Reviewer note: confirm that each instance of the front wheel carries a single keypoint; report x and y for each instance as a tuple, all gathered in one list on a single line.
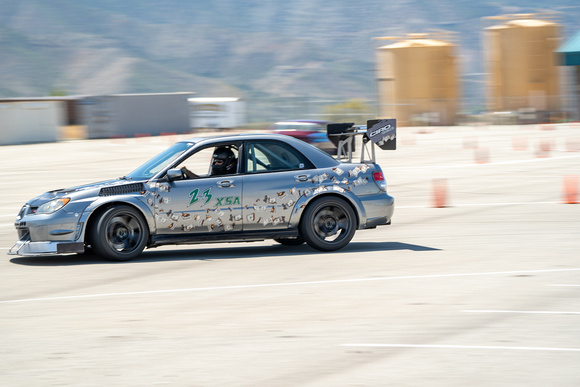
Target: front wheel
[(328, 224), (119, 234)]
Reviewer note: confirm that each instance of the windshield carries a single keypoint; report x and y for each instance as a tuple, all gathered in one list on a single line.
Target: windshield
[(159, 162)]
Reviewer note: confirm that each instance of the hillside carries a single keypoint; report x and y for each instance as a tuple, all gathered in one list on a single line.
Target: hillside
[(246, 48)]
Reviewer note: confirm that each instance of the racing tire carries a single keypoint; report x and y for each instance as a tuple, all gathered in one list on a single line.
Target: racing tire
[(328, 224), (119, 234), (290, 241)]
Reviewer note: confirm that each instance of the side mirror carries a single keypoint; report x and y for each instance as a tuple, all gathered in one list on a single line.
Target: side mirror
[(174, 174)]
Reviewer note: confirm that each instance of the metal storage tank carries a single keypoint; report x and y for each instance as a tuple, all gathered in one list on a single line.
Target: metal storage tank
[(417, 81), (521, 67)]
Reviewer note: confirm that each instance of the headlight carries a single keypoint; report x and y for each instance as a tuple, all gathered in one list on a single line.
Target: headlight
[(52, 206)]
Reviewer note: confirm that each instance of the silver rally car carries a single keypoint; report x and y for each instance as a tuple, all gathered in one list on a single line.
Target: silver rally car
[(223, 189)]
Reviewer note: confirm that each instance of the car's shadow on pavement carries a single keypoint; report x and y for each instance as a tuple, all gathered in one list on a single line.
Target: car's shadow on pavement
[(217, 253)]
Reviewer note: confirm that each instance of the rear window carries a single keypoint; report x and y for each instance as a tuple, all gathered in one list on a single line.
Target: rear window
[(274, 156)]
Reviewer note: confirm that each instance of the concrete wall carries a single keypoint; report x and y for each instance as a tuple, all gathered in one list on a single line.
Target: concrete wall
[(131, 114)]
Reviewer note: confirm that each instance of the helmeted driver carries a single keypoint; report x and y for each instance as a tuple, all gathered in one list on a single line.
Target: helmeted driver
[(223, 161)]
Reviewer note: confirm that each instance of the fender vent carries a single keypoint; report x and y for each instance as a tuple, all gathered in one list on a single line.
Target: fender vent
[(121, 189)]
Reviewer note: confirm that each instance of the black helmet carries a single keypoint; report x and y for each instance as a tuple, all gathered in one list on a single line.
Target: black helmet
[(223, 161)]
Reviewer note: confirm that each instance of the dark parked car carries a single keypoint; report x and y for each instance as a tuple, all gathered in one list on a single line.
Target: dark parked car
[(312, 132)]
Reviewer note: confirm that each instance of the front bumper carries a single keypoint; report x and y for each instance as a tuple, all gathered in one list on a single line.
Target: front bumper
[(29, 248), (47, 234)]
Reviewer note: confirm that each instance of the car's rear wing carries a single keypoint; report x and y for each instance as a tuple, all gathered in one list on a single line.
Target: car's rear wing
[(383, 133)]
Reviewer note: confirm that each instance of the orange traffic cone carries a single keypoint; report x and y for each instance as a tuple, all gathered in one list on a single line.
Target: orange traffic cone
[(143, 137), (520, 143), (439, 193), (470, 142), (481, 155), (571, 189), (544, 148), (573, 145)]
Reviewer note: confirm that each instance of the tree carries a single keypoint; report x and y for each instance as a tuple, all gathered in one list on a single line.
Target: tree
[(352, 110)]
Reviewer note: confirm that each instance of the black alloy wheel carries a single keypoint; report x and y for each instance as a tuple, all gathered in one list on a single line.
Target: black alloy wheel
[(120, 233), (328, 224)]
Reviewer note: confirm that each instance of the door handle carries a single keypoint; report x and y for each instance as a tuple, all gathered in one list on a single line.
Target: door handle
[(226, 184), (301, 177)]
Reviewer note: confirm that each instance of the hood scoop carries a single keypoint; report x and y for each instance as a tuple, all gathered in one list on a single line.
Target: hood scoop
[(122, 189)]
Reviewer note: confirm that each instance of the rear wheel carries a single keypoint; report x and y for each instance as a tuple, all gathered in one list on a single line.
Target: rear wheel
[(119, 234), (328, 224)]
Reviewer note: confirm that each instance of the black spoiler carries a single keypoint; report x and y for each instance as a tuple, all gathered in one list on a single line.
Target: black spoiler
[(382, 133)]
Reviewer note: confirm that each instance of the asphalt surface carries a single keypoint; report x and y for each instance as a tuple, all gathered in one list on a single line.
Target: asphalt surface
[(482, 291)]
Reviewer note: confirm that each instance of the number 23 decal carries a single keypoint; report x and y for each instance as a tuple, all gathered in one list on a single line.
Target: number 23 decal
[(194, 195)]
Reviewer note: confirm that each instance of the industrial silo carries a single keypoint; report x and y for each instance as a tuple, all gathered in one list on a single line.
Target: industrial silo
[(521, 67), (417, 81)]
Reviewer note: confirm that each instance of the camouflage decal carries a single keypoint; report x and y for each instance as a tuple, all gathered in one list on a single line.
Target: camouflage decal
[(338, 171), (272, 208), (360, 181)]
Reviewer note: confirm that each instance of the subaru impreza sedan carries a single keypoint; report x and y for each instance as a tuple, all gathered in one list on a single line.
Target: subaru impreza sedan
[(237, 188)]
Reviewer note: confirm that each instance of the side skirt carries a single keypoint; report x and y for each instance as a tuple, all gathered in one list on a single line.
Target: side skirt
[(242, 236)]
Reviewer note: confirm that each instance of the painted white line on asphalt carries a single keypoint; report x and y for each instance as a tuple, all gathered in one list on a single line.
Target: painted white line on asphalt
[(537, 160), (502, 204), (519, 311), (562, 285), (486, 204), (462, 347), (287, 284)]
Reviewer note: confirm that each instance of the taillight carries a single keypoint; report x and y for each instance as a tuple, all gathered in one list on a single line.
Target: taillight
[(380, 180)]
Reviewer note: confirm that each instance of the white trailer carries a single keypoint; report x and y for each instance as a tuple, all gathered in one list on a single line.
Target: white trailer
[(30, 122), (217, 113)]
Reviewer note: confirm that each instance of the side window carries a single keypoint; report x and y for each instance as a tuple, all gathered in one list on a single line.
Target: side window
[(272, 156), (256, 161), (211, 161), (199, 163)]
